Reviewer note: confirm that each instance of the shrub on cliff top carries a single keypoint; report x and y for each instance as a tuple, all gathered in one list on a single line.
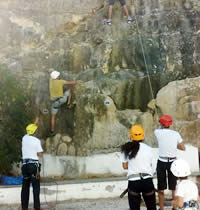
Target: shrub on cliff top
[(14, 118)]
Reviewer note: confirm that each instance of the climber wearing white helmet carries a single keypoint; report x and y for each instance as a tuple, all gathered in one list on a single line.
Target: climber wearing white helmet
[(58, 96), (186, 196)]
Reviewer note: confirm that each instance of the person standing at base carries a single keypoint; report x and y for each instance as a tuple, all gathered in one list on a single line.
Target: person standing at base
[(58, 96), (187, 195), (168, 143), (137, 157), (123, 4), (31, 151)]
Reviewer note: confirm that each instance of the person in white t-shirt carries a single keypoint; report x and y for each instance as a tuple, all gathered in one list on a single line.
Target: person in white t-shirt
[(137, 157), (187, 195), (31, 151), (168, 143)]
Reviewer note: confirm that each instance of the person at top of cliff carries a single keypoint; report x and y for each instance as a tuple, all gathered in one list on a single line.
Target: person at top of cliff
[(58, 96), (123, 4), (168, 143), (137, 157), (187, 195)]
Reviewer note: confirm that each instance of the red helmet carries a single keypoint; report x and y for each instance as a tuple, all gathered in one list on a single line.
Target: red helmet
[(166, 120)]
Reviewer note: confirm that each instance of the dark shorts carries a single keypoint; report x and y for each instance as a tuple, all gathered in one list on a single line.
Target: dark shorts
[(122, 2), (144, 188), (164, 176)]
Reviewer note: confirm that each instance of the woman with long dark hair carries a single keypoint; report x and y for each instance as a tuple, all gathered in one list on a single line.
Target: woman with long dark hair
[(137, 157)]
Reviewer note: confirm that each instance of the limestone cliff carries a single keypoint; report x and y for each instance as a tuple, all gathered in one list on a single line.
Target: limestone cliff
[(122, 66)]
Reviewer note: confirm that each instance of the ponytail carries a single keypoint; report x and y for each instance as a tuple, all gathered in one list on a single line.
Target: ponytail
[(130, 149)]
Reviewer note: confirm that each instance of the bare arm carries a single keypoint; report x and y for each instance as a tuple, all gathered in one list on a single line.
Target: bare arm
[(72, 82), (125, 165), (36, 120), (177, 202), (181, 146), (39, 154)]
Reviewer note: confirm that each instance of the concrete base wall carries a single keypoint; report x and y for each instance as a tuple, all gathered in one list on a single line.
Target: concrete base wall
[(102, 165), (86, 189), (63, 191)]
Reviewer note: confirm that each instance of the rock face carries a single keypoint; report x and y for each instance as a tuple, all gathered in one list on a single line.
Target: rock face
[(181, 99), (122, 67)]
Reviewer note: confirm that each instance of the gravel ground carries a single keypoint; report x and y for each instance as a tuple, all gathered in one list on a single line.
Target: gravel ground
[(101, 204)]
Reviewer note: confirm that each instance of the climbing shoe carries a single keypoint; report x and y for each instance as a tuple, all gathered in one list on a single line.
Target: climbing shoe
[(108, 22), (51, 134), (129, 20), (70, 106)]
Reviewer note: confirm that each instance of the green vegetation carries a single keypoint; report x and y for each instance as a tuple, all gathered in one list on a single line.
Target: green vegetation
[(14, 115)]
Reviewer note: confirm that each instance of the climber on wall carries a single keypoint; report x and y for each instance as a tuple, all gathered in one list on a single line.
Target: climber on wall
[(31, 151), (168, 143), (123, 4), (57, 96), (137, 157)]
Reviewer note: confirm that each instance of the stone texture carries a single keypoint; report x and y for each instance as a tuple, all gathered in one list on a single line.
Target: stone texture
[(62, 149), (56, 139), (71, 150), (122, 67), (181, 99), (66, 139)]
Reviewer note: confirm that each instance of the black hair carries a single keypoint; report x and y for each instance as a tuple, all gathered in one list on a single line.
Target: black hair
[(130, 149), (182, 178)]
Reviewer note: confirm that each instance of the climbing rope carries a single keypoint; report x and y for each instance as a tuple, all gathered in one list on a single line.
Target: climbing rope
[(143, 53), (44, 184)]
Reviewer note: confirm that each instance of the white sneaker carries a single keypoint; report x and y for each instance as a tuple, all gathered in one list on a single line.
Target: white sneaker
[(129, 20), (108, 22)]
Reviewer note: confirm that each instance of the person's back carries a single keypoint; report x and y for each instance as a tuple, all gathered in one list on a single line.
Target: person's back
[(31, 150), (58, 96), (56, 88), (188, 190), (168, 140), (137, 158), (187, 195), (168, 143), (30, 147), (141, 163)]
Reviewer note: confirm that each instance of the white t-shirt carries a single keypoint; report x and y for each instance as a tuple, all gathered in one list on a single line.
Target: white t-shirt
[(187, 190), (30, 147), (142, 163), (167, 142)]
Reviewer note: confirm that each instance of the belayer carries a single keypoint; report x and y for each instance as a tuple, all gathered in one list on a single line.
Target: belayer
[(168, 143), (31, 151), (137, 157)]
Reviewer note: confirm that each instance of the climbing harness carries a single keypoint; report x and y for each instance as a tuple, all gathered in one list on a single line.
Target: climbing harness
[(36, 164), (169, 159), (140, 176)]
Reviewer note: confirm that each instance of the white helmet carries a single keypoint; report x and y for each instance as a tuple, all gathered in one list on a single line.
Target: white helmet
[(180, 168), (55, 74)]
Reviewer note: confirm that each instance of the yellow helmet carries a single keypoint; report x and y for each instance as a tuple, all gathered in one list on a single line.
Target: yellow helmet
[(31, 128), (137, 133)]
